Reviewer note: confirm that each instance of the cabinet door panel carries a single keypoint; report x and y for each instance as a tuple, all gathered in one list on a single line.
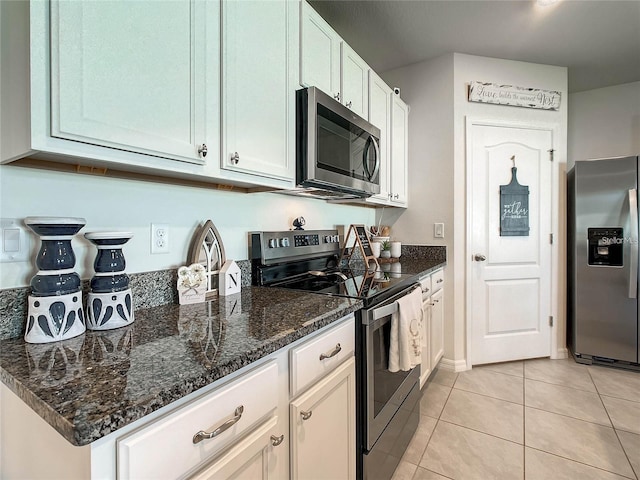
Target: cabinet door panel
[(355, 77), (127, 75), (437, 327), (258, 98), (425, 365), (380, 116), (253, 458), (399, 157), (323, 445), (319, 52)]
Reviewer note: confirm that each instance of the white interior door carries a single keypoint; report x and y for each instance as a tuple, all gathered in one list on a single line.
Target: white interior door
[(510, 276)]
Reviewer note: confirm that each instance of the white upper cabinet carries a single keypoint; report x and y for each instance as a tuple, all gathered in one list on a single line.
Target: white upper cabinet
[(259, 76), (380, 116), (399, 152), (134, 76), (355, 78), (327, 62), (320, 53)]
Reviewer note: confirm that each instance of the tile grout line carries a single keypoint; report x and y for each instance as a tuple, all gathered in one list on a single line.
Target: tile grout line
[(615, 431), (437, 422), (480, 431), (578, 462), (573, 418)]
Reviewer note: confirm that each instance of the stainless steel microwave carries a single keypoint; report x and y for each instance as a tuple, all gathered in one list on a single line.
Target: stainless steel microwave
[(337, 151)]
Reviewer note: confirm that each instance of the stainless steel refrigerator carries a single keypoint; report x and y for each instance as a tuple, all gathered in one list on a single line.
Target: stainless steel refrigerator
[(602, 257)]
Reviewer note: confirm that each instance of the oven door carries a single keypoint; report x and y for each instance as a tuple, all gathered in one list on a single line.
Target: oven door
[(385, 391)]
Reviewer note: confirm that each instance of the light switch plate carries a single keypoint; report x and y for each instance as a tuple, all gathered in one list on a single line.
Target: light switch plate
[(438, 230), (14, 241)]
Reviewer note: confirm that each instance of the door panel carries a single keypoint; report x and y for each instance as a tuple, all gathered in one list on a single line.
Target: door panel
[(510, 289)]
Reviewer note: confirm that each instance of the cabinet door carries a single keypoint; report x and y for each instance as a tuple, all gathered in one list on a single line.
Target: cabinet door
[(380, 116), (425, 365), (132, 75), (323, 444), (319, 53), (399, 152), (355, 78), (254, 458), (258, 107), (437, 327)]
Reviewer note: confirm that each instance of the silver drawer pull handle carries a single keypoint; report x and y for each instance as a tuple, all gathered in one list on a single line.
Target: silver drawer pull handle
[(202, 435), (306, 415), (440, 280), (332, 353), (235, 158), (275, 441)]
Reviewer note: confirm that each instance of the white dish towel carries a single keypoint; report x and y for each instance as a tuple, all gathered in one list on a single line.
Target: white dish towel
[(406, 327)]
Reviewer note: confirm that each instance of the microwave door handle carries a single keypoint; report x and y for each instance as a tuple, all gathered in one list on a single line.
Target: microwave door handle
[(376, 147), (633, 240)]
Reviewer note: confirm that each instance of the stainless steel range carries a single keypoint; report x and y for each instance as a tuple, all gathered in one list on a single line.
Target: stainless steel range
[(387, 403)]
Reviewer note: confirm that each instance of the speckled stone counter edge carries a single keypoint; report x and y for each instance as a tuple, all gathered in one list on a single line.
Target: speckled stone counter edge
[(86, 433), (150, 289)]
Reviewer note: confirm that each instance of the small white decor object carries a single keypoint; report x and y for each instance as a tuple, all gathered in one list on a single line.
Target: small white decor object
[(207, 249), (396, 249), (230, 278), (514, 96), (192, 284)]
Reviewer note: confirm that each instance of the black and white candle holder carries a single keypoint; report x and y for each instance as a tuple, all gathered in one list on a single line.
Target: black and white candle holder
[(55, 305), (110, 302)]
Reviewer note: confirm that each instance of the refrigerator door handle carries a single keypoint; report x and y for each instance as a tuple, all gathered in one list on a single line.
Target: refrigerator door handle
[(633, 212)]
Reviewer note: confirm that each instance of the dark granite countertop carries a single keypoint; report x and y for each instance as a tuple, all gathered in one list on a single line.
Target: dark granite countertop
[(92, 385), (413, 266)]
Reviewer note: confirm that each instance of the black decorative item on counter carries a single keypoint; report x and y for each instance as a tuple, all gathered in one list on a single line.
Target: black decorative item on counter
[(110, 302), (55, 304)]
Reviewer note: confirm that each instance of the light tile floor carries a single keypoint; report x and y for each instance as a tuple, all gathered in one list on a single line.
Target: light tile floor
[(534, 420)]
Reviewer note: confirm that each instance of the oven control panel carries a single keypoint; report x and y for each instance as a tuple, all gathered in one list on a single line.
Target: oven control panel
[(270, 247)]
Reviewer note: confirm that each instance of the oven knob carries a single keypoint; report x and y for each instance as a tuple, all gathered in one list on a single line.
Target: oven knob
[(285, 242), (336, 238), (273, 243), (327, 238)]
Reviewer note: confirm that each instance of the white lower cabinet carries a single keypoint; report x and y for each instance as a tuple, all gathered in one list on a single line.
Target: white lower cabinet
[(254, 458), (200, 430), (437, 327), (433, 323), (238, 428), (323, 444)]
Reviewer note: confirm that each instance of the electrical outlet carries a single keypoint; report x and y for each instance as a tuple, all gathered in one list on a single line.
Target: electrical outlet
[(438, 230), (159, 238)]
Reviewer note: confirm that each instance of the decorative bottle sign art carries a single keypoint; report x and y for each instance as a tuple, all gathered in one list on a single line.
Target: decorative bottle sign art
[(514, 207)]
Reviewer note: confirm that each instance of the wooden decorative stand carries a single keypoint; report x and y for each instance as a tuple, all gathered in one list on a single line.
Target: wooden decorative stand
[(363, 242)]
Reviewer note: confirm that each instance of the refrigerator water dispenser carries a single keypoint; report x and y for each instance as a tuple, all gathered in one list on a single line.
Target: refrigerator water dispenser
[(605, 247)]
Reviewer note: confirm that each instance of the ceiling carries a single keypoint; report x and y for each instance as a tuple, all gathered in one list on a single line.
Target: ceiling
[(598, 40)]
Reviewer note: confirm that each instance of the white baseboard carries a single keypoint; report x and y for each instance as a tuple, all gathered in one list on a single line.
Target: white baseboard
[(560, 353), (452, 365)]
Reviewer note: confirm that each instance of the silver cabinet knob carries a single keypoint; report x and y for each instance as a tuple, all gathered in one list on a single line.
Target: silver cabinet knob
[(306, 415), (479, 257), (349, 104), (396, 196), (275, 441), (235, 158), (337, 96), (202, 150)]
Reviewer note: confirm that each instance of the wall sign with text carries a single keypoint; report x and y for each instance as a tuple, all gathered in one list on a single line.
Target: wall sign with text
[(514, 96), (514, 208)]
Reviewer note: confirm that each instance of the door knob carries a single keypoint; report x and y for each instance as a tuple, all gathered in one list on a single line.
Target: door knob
[(479, 257)]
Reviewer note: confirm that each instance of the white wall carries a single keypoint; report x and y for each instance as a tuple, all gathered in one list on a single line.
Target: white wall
[(130, 205), (604, 123), (428, 89), (437, 93)]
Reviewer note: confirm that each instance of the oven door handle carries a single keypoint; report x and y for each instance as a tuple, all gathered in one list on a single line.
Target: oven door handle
[(385, 311)]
